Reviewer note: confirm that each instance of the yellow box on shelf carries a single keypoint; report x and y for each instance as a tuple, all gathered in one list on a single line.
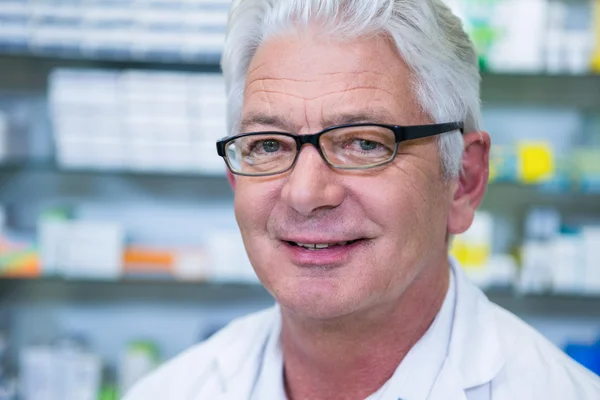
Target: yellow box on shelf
[(473, 248), (470, 255), (596, 57), (535, 162)]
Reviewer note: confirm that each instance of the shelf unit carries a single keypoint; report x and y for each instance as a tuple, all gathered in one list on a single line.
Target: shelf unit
[(14, 290), (179, 313)]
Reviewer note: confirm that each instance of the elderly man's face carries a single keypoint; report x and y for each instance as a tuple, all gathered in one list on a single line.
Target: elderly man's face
[(383, 226)]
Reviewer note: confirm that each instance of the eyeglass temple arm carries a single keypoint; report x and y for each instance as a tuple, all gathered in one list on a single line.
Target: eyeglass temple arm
[(423, 131)]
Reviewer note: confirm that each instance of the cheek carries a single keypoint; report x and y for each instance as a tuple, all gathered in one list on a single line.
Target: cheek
[(252, 204), (413, 216)]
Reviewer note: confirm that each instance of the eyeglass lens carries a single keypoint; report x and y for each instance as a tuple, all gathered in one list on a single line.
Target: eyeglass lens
[(347, 147)]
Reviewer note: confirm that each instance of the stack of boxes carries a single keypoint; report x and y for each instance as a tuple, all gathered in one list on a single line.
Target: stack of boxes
[(138, 120), (533, 36), (173, 30)]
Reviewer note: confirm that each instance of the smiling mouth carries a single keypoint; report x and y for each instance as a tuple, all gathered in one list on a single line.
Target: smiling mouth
[(322, 246)]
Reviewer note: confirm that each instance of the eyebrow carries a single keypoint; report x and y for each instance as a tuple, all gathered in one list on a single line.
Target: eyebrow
[(261, 119), (360, 117), (281, 123)]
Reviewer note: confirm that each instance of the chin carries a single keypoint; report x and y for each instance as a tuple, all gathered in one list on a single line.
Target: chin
[(316, 304)]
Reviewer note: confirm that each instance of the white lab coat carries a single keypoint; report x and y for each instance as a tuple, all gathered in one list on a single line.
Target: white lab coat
[(493, 355)]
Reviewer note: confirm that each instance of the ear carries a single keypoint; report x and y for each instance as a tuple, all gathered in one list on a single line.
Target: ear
[(472, 182), (231, 179)]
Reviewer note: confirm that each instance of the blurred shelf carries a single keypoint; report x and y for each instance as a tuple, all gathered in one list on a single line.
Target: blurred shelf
[(20, 290), (57, 290), (50, 167), (117, 58), (14, 167), (26, 71), (158, 290), (548, 188), (550, 304), (543, 90), (211, 61), (29, 72)]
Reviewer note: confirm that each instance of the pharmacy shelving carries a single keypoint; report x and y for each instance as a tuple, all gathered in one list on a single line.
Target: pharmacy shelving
[(130, 289), (176, 313), (148, 59), (549, 90), (30, 72)]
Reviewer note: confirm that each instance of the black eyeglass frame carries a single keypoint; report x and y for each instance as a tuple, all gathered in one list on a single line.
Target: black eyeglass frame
[(401, 134)]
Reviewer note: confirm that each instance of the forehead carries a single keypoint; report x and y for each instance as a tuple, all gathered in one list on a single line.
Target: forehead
[(325, 79)]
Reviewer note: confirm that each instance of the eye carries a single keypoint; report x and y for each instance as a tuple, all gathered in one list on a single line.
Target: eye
[(367, 145), (270, 145)]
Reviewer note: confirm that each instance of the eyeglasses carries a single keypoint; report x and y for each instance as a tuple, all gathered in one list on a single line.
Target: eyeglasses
[(349, 147)]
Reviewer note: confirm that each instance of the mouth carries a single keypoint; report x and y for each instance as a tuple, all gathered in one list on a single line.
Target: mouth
[(321, 246)]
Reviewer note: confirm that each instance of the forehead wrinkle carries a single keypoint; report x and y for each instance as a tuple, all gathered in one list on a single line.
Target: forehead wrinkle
[(323, 94), (253, 68), (357, 73), (356, 76)]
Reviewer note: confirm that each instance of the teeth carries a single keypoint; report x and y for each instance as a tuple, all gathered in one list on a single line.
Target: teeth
[(319, 246)]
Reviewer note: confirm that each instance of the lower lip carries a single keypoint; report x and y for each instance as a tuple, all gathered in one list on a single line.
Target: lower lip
[(328, 257)]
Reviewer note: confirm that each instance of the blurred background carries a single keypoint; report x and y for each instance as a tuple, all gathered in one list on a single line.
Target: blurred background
[(118, 244)]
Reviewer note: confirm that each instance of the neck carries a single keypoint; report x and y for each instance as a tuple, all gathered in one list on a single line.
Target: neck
[(353, 356)]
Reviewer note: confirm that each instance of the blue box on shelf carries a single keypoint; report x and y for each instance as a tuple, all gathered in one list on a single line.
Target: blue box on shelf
[(586, 355)]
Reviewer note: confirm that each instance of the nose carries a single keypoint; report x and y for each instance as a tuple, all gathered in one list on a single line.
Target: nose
[(312, 185)]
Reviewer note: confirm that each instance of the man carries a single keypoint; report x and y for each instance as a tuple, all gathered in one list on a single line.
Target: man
[(355, 154)]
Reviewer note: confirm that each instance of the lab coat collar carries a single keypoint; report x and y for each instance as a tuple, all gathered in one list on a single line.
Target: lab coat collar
[(475, 348), (474, 357), (239, 363)]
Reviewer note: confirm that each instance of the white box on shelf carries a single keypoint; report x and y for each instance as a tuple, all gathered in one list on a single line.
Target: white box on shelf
[(14, 32), (53, 234), (203, 18), (56, 35), (210, 110), (80, 125), (520, 48), (190, 265), (174, 157), (96, 38), (81, 374), (203, 42), (55, 10), (591, 255), (209, 82), (209, 130), (4, 153), (39, 374), (106, 12), (536, 269), (174, 106), (161, 17), (145, 81), (206, 160), (568, 264), (227, 258), (49, 373), (14, 9), (89, 86), (98, 150), (94, 250)]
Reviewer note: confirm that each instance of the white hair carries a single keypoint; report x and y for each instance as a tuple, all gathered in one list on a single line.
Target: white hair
[(428, 36)]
